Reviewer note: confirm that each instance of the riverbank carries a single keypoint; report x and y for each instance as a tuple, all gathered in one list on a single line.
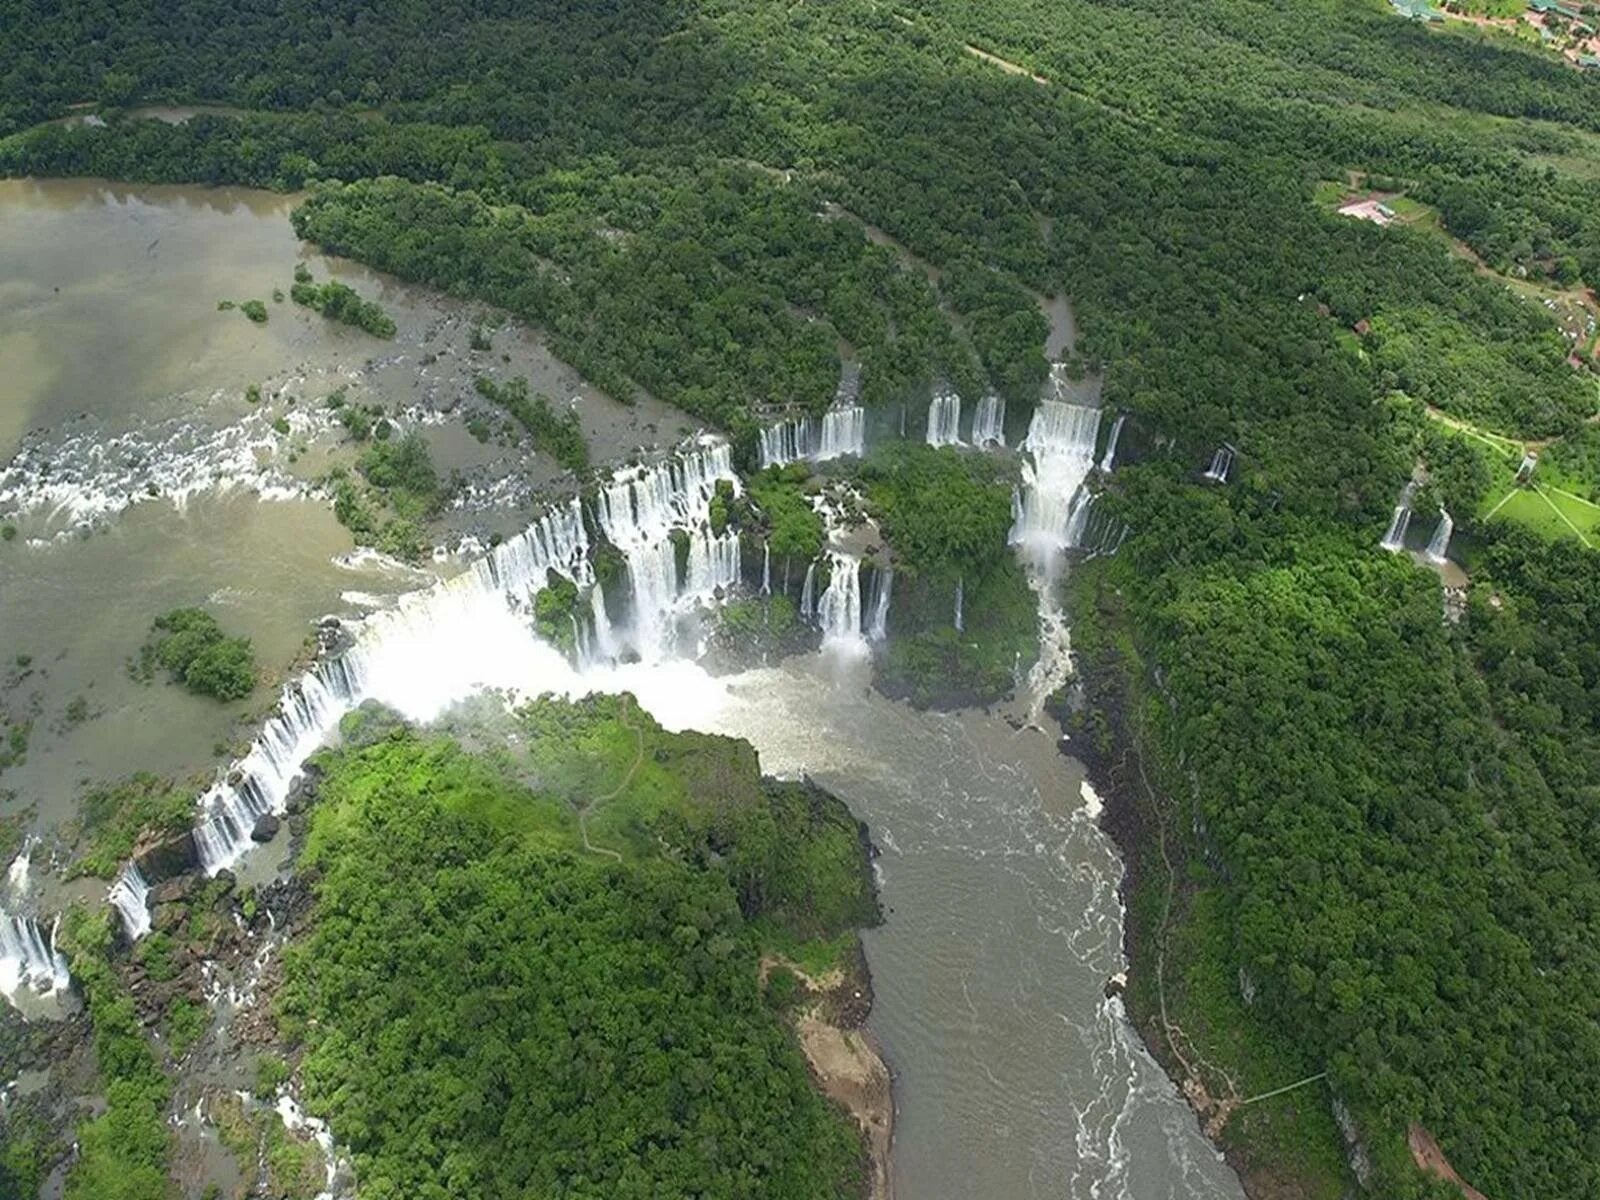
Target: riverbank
[(846, 1062), (1188, 1009)]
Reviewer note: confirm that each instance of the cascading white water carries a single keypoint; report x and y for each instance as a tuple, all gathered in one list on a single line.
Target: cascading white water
[(1048, 513), (844, 431), (841, 431), (434, 645), (944, 420), (128, 896), (1048, 518), (639, 511), (1221, 464), (785, 442), (808, 591), (27, 959), (766, 568), (1110, 458), (961, 586), (604, 645), (1395, 538), (17, 873), (1439, 544), (839, 608), (878, 628), (989, 423)]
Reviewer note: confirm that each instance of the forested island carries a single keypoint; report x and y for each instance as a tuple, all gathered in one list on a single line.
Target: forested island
[(1327, 263)]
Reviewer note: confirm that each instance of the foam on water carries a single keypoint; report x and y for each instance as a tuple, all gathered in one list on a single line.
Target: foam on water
[(84, 477)]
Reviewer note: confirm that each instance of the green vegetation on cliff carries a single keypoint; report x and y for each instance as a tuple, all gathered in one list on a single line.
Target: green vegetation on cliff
[(122, 1152), (1392, 818), (946, 516), (535, 970)]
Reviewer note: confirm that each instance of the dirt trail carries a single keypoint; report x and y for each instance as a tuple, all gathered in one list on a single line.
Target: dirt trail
[(1427, 1155), (638, 757)]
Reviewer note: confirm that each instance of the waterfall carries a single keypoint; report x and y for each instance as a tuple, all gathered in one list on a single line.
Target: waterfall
[(878, 628), (989, 423), (1221, 464), (808, 590), (1048, 518), (1050, 509), (17, 873), (432, 646), (766, 568), (784, 443), (961, 588), (944, 420), (639, 511), (128, 895), (605, 642), (1111, 446), (1439, 544), (27, 958), (839, 609), (713, 563), (841, 431), (844, 431), (1395, 538), (902, 422)]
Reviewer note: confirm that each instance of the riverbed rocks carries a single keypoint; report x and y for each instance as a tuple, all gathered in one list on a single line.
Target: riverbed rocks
[(266, 828), (168, 858)]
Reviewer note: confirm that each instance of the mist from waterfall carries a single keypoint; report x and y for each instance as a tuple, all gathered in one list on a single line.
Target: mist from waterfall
[(1395, 538), (471, 631), (944, 420), (839, 607)]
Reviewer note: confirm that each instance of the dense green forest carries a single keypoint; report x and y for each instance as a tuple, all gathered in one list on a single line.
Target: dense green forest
[(1394, 817), (535, 972)]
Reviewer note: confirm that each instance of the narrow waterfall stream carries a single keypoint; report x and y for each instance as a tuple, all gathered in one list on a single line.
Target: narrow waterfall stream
[(944, 420)]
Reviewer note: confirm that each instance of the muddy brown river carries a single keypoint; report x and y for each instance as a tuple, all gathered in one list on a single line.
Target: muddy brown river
[(139, 478)]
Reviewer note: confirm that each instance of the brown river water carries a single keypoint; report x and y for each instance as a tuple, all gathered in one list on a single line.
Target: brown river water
[(1014, 1076)]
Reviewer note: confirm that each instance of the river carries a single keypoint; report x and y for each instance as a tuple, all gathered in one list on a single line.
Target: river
[(1014, 1076)]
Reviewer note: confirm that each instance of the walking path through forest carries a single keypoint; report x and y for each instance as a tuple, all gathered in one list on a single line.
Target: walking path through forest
[(624, 706)]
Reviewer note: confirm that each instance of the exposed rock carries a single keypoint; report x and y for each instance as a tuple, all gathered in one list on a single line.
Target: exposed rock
[(266, 828), (226, 881), (303, 791), (167, 859), (173, 890)]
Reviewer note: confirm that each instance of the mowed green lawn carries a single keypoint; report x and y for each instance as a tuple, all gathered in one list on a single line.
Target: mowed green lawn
[(1550, 513)]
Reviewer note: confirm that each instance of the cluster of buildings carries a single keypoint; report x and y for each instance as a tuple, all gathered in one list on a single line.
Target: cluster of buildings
[(1567, 28)]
